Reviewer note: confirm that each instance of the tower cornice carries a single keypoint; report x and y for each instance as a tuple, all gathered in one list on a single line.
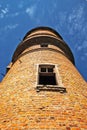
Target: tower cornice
[(41, 35)]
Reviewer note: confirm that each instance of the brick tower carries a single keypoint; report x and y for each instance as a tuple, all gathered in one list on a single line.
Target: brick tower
[(42, 88)]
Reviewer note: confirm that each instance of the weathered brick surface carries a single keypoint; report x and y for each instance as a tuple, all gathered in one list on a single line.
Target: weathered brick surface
[(22, 108)]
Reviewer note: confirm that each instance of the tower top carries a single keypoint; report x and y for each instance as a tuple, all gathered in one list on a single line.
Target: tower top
[(42, 29), (41, 35)]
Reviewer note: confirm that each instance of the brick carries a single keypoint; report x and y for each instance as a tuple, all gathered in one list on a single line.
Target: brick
[(75, 128), (22, 107)]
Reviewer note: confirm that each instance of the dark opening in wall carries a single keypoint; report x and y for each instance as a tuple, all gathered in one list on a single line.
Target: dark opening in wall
[(47, 79), (47, 75), (44, 45)]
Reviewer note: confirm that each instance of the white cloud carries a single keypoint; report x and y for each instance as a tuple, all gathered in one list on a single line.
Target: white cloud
[(20, 5), (76, 14), (14, 14), (77, 24), (62, 17), (82, 46), (84, 56), (3, 12), (1, 15), (10, 27), (31, 11), (7, 28), (76, 19)]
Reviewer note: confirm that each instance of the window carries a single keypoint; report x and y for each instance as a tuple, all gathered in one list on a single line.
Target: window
[(49, 79), (47, 75), (44, 44)]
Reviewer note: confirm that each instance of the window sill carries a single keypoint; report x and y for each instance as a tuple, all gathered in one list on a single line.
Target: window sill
[(54, 88)]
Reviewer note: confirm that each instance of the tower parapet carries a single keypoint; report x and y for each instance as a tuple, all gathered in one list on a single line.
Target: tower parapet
[(43, 36)]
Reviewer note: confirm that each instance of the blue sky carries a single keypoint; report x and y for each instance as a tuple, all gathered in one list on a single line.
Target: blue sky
[(67, 17)]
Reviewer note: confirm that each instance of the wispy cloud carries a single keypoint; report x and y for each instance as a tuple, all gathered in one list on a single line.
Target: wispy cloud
[(76, 14), (7, 29), (30, 11), (14, 14), (82, 46), (3, 12), (84, 56), (76, 26), (20, 5), (76, 20), (10, 27)]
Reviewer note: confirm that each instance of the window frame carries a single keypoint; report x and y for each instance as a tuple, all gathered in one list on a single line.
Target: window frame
[(47, 74), (59, 85)]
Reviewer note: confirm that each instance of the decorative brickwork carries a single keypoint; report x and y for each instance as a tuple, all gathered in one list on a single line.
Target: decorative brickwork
[(23, 108)]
